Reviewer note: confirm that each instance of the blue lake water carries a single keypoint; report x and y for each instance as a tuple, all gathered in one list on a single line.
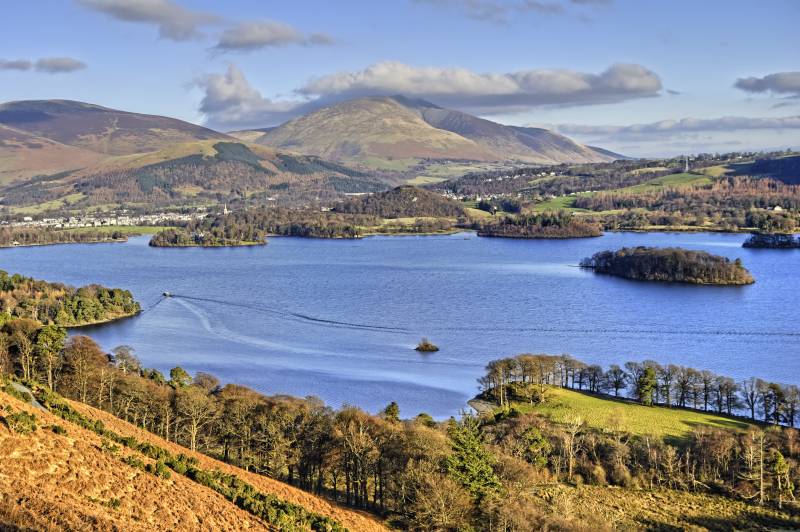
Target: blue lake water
[(338, 319)]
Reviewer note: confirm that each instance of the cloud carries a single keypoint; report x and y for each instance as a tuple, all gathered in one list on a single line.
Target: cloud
[(670, 128), (174, 22), (489, 92), (503, 11), (230, 102), (48, 65), (778, 83), (57, 65), (263, 34), (15, 64)]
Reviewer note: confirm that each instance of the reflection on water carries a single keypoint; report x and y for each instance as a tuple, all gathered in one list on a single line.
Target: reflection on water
[(339, 319)]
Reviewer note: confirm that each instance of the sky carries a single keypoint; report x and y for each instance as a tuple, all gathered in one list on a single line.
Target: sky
[(641, 77)]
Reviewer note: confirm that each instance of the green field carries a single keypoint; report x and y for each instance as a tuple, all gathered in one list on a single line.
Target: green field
[(566, 203), (562, 405), (659, 183)]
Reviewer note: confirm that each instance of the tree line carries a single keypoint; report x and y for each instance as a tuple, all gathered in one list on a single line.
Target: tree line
[(526, 377)]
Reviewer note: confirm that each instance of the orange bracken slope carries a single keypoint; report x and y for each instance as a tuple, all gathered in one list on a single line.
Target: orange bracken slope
[(50, 481)]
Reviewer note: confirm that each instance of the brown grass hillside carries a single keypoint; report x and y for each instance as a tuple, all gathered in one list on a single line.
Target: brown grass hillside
[(50, 481)]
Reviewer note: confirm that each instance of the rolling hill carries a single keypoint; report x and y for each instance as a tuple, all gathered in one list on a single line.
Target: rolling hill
[(371, 131), (73, 478)]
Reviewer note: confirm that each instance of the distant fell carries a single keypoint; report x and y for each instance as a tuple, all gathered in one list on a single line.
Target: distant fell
[(374, 130)]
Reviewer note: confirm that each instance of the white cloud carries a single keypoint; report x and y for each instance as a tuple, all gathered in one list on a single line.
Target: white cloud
[(173, 21), (264, 34), (230, 102), (490, 92)]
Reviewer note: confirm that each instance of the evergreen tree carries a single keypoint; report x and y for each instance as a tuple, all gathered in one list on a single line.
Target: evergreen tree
[(471, 464), (646, 386)]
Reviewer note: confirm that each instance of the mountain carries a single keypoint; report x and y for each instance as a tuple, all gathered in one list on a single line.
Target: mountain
[(373, 130), (381, 128), (60, 474)]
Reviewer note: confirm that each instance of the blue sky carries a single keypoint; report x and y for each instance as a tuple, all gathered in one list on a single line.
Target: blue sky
[(646, 77)]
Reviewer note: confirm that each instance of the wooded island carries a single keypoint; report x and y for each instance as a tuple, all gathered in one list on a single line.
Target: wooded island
[(675, 265)]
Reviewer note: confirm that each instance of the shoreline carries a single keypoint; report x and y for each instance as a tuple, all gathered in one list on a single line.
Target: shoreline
[(237, 245), (103, 322), (33, 245)]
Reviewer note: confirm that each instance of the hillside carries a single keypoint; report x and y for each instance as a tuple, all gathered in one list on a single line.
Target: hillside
[(74, 479), (373, 131), (196, 173)]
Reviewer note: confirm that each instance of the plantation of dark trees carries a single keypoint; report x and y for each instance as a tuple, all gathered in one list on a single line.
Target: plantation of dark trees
[(669, 265)]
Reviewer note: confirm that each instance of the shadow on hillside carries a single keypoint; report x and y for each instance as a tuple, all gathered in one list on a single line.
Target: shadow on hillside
[(748, 520)]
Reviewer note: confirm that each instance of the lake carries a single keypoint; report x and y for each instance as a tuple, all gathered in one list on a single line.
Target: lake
[(339, 319)]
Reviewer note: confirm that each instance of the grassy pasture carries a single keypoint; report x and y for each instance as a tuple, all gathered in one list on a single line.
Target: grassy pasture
[(659, 183), (621, 415), (566, 203)]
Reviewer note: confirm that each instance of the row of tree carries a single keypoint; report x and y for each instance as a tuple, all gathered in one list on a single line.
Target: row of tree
[(526, 377)]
